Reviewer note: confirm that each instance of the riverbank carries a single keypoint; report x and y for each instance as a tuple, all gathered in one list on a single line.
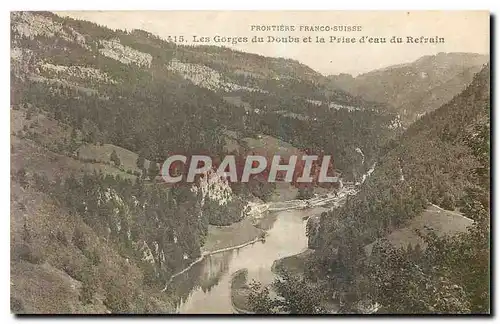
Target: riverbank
[(232, 236), (254, 228), (284, 225), (256, 225), (295, 265), (240, 291), (208, 253), (235, 236)]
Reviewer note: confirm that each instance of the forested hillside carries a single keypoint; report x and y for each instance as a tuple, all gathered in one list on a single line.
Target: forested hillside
[(416, 88), (439, 159), (150, 96), (94, 113), (442, 159)]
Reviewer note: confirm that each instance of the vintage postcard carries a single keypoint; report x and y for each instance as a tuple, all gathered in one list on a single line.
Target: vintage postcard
[(250, 162)]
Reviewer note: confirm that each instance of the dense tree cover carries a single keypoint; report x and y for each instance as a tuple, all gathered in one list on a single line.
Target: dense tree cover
[(223, 216), (336, 132), (444, 159), (134, 214), (148, 109), (423, 168), (294, 296), (317, 128), (156, 111), (139, 126), (450, 276)]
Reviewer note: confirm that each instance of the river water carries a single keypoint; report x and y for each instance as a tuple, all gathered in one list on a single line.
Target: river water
[(205, 288)]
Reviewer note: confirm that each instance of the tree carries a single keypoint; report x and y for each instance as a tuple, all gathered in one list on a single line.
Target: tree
[(29, 113), (140, 162), (73, 144), (259, 300), (448, 202), (295, 296), (115, 159), (153, 170), (450, 276), (305, 192)]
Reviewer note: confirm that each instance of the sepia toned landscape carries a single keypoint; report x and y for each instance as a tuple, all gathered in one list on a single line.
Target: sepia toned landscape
[(96, 110)]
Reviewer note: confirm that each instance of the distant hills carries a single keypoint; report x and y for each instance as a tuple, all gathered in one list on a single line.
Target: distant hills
[(150, 96), (94, 111), (413, 89), (441, 159)]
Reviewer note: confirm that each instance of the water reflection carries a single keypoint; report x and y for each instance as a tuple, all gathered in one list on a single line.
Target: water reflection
[(205, 288)]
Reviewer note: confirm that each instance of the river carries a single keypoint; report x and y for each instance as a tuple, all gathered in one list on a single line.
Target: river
[(205, 288)]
